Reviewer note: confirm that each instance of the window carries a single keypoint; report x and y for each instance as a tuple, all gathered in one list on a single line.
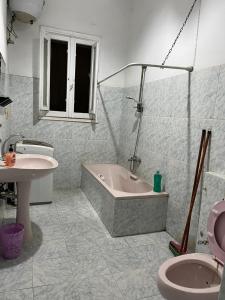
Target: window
[(68, 74)]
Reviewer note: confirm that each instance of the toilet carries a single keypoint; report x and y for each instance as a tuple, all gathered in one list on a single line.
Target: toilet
[(197, 276)]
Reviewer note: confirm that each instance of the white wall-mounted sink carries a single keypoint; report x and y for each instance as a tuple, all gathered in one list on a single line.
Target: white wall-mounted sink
[(26, 168)]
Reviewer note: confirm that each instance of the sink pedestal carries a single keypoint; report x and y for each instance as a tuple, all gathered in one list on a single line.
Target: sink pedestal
[(26, 168), (22, 212)]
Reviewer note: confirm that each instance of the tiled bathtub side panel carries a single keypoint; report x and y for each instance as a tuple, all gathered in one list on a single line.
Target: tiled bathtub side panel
[(135, 216), (214, 191), (100, 199)]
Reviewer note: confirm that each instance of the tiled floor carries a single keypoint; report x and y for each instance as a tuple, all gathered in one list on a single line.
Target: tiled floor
[(73, 257)]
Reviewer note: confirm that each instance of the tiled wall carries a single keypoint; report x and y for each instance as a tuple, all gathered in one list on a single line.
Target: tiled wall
[(73, 142), (175, 112), (4, 129)]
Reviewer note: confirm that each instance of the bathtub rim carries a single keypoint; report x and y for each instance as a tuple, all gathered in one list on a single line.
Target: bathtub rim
[(119, 194)]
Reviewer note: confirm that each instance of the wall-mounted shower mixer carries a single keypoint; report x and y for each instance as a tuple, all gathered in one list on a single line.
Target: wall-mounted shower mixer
[(135, 161), (139, 106)]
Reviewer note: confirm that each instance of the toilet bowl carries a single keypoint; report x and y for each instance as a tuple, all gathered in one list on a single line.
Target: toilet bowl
[(197, 276)]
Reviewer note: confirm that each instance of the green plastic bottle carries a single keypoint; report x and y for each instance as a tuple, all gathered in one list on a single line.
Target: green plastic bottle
[(157, 182)]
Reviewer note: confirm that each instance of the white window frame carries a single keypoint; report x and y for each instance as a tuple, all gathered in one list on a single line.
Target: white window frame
[(73, 38)]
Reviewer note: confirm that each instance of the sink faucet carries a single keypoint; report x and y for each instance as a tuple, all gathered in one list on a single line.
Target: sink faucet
[(12, 136)]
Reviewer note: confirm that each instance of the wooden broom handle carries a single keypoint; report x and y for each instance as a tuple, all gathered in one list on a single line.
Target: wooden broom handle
[(195, 179), (198, 177)]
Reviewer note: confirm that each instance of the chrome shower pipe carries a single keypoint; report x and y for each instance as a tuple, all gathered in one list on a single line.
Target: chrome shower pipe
[(189, 69), (134, 159), (143, 71)]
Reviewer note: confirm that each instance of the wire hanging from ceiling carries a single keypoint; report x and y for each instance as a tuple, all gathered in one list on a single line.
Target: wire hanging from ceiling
[(179, 33), (11, 31), (197, 33)]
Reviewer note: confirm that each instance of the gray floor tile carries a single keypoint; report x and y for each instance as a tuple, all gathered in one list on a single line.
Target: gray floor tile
[(136, 284), (16, 277), (77, 208), (81, 247), (154, 256), (49, 232), (123, 260), (158, 238), (65, 195), (50, 250), (45, 219), (26, 294), (71, 200), (43, 209), (74, 257), (52, 271), (156, 297), (83, 226), (44, 215), (65, 291), (88, 265), (102, 288), (109, 243), (71, 216), (153, 252), (92, 288)]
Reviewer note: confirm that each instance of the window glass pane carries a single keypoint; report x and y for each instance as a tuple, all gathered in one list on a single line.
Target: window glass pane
[(82, 78), (58, 75), (45, 68)]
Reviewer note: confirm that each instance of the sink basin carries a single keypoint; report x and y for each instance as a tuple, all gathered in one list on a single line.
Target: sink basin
[(26, 168)]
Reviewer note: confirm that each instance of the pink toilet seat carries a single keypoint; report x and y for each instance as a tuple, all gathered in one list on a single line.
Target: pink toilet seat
[(216, 231)]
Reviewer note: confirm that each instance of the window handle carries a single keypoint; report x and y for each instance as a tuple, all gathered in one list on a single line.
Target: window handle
[(71, 87)]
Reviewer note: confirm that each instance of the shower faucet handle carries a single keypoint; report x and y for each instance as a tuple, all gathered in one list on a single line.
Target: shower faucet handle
[(135, 159), (139, 107)]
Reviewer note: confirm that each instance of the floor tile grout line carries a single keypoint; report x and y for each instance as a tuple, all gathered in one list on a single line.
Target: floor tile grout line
[(15, 290), (110, 247)]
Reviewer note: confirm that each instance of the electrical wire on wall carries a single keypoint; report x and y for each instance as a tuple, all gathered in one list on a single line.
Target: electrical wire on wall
[(197, 33), (181, 30)]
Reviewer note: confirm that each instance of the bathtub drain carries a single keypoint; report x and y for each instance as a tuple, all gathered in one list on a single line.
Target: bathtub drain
[(101, 177)]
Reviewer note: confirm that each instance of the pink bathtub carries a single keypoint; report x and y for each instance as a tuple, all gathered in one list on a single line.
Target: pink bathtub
[(120, 182), (125, 203)]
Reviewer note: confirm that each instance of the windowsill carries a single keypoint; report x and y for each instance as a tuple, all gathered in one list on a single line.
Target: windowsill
[(78, 120)]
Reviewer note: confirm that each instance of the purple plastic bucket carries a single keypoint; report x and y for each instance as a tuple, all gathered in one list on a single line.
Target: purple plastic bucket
[(11, 240)]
